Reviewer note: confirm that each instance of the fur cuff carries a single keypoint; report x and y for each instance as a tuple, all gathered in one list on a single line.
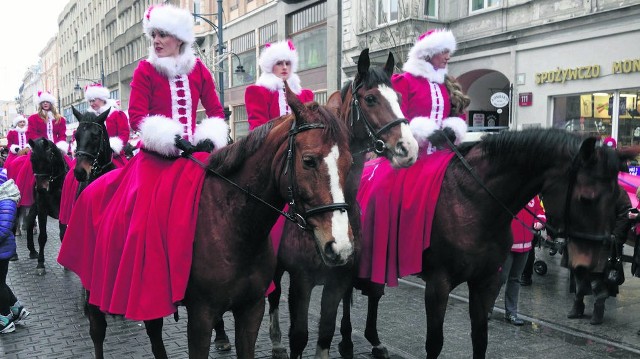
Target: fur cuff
[(158, 134), (63, 146), (214, 129), (14, 148), (116, 144), (422, 128), (459, 127)]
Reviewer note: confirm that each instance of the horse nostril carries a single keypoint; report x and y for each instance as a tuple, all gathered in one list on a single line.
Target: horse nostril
[(329, 251), (402, 149)]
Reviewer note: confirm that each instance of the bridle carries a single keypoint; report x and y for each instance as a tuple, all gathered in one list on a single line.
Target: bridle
[(96, 167), (376, 144), (296, 214), (51, 175)]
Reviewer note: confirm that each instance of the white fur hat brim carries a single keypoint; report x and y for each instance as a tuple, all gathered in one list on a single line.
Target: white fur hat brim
[(94, 92), (170, 19), (18, 119), (158, 134), (433, 43), (279, 51), (422, 128), (214, 129), (46, 97)]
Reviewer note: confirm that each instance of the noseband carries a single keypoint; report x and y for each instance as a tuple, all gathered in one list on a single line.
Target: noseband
[(96, 168), (376, 144), (51, 176)]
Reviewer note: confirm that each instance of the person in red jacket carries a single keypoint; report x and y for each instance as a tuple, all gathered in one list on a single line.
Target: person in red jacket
[(17, 139), (517, 258), (430, 99), (48, 123), (117, 123), (266, 99)]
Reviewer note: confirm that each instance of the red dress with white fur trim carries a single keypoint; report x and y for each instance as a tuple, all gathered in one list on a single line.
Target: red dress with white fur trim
[(130, 236), (53, 130), (263, 104), (16, 141), (118, 130)]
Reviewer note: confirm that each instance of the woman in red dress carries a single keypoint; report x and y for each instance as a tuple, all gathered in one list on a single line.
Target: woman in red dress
[(17, 140), (266, 99)]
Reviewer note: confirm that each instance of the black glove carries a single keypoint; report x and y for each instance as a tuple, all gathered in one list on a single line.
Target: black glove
[(439, 137), (184, 145), (205, 145)]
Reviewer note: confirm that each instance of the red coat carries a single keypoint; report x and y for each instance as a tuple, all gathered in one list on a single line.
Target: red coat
[(263, 104), (151, 94), (37, 127), (118, 125), (422, 98), (16, 141), (522, 236)]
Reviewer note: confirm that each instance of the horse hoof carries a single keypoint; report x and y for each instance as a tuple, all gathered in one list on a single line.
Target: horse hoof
[(345, 350), (380, 352), (33, 255), (279, 353), (222, 345), (41, 271)]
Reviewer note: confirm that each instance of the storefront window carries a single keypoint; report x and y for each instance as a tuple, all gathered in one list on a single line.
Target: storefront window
[(629, 117)]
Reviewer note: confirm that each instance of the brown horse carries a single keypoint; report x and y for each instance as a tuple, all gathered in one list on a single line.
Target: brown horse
[(369, 105), (301, 158), (471, 236)]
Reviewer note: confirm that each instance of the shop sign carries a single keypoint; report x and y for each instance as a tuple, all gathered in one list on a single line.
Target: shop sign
[(626, 66), (499, 99), (525, 99), (562, 75)]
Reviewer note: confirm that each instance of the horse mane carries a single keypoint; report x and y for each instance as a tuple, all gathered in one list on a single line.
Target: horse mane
[(375, 76)]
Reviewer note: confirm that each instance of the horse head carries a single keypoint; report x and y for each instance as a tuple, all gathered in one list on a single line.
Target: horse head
[(93, 151), (47, 162), (317, 165), (372, 107)]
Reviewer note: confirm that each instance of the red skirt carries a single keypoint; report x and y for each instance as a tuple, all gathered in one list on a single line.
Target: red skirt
[(130, 236), (21, 172)]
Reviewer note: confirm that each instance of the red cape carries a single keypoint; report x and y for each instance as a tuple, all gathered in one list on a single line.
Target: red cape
[(21, 171), (397, 214), (130, 237)]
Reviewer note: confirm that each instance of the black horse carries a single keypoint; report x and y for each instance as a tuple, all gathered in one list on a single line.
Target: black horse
[(93, 152), (49, 168)]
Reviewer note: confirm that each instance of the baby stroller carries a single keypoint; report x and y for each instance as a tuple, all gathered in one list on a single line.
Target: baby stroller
[(535, 263)]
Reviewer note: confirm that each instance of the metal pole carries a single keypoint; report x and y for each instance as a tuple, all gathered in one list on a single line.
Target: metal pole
[(220, 52), (102, 73)]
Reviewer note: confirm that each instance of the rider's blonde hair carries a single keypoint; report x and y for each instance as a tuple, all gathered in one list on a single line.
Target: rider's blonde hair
[(43, 114), (459, 101)]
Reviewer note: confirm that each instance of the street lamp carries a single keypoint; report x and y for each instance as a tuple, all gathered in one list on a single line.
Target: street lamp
[(93, 81)]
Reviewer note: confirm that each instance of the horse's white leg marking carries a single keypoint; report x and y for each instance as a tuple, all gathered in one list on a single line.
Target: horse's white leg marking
[(274, 330), (322, 353), (340, 219)]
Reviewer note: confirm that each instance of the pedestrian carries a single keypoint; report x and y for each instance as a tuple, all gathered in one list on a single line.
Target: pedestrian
[(267, 99), (531, 217), (11, 310), (117, 123), (17, 139), (430, 98), (151, 203), (48, 123)]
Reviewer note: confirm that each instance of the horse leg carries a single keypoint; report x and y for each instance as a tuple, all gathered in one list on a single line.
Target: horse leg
[(379, 351), (42, 242), (63, 230), (221, 342), (30, 221), (345, 347), (97, 327), (247, 326), (436, 296), (278, 351), (580, 283), (482, 295), (299, 298), (199, 326), (338, 283), (154, 331)]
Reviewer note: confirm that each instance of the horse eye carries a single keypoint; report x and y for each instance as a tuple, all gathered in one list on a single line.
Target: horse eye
[(370, 99), (309, 162)]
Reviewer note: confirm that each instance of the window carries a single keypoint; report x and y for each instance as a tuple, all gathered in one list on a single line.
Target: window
[(430, 8), (320, 97), (308, 30), (587, 114), (477, 5), (243, 54), (240, 122), (386, 11)]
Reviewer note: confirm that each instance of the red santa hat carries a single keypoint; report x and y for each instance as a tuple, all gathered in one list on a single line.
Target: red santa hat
[(279, 51), (18, 119), (170, 19), (609, 142), (92, 92), (433, 42), (46, 96)]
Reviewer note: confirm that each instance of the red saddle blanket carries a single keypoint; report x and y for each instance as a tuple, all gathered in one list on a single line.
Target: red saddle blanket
[(21, 172), (397, 213), (130, 235)]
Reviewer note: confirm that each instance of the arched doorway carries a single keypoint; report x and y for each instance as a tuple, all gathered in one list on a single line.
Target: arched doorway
[(480, 85)]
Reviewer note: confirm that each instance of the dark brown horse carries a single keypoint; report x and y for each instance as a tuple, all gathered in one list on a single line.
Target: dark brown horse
[(301, 158), (49, 168), (369, 106), (471, 234)]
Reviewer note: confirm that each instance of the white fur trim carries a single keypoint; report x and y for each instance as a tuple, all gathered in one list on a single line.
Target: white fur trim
[(213, 128), (459, 127), (422, 68), (14, 148), (18, 119), (274, 83), (100, 110), (46, 96), (116, 144), (422, 128), (175, 21), (173, 66), (435, 43), (158, 134), (21, 129), (63, 146), (95, 91), (278, 51), (187, 107), (74, 145)]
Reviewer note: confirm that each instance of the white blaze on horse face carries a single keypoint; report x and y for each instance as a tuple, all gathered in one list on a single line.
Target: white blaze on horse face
[(340, 219), (407, 141)]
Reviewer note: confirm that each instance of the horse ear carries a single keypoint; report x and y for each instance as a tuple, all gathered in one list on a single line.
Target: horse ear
[(363, 63), (299, 110), (76, 113), (391, 62), (103, 116), (334, 103), (588, 148), (31, 143)]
